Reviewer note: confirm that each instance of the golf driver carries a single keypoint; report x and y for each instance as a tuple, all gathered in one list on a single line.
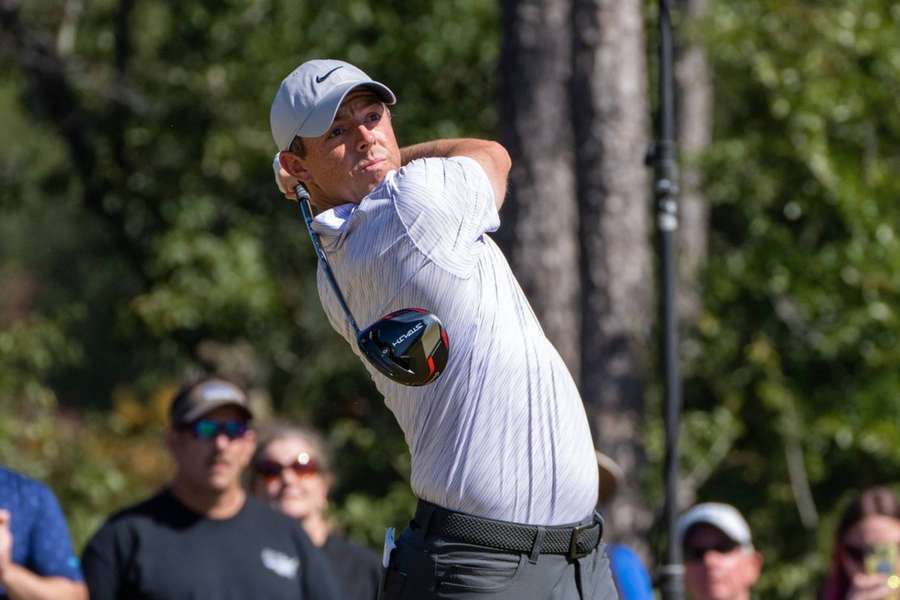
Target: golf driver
[(409, 346)]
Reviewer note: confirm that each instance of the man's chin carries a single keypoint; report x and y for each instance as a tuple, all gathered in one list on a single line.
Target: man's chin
[(219, 482), (719, 592), (376, 176)]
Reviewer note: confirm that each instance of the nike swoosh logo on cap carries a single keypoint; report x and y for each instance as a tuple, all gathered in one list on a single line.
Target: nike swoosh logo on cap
[(321, 78)]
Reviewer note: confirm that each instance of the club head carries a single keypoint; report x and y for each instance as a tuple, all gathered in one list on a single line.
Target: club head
[(409, 346)]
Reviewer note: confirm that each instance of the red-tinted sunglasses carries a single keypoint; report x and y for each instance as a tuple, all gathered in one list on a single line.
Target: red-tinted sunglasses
[(303, 466)]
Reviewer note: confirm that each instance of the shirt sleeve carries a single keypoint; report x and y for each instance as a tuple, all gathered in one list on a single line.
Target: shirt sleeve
[(101, 565), (51, 547), (446, 206)]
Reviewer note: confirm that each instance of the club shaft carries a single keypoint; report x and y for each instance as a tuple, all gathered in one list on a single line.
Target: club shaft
[(306, 211)]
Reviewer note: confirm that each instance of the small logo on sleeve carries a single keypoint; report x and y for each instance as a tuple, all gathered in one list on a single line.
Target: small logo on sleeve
[(280, 563)]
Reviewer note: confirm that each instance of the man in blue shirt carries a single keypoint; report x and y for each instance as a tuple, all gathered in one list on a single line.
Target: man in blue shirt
[(36, 556)]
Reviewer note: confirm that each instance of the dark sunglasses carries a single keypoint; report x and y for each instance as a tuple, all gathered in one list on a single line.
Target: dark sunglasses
[(857, 553), (303, 466), (207, 429), (696, 553)]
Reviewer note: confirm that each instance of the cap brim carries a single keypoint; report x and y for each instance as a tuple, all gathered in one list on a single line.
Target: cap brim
[(321, 119), (208, 407), (734, 531)]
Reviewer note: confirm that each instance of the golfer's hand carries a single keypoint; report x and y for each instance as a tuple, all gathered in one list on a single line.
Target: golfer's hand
[(284, 180), (6, 541), (866, 586)]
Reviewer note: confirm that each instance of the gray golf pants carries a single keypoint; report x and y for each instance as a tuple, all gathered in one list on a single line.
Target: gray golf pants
[(429, 567)]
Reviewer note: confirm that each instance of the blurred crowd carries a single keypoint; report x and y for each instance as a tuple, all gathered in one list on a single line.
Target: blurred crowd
[(246, 515)]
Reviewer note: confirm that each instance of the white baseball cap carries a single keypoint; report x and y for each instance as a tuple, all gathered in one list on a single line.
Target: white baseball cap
[(723, 517), (310, 96)]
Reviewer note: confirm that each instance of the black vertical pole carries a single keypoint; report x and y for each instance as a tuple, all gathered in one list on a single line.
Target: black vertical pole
[(665, 190)]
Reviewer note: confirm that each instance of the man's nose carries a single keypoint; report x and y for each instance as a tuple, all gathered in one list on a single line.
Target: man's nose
[(364, 138), (711, 557)]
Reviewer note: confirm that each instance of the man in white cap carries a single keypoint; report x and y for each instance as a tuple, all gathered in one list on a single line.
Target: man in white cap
[(720, 561), (502, 458)]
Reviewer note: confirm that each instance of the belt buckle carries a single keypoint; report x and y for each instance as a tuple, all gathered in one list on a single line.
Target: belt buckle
[(573, 541)]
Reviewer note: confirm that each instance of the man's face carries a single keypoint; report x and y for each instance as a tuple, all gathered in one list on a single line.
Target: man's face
[(353, 156), (215, 464), (716, 568)]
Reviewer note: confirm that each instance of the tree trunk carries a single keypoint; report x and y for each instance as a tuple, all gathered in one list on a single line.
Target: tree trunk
[(539, 233), (695, 104), (610, 112)]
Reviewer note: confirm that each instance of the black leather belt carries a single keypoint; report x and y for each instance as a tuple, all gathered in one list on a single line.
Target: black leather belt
[(574, 541)]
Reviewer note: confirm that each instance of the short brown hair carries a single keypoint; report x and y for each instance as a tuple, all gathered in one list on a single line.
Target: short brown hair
[(298, 147)]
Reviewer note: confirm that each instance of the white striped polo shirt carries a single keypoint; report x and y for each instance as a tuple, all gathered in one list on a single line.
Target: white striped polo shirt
[(502, 433)]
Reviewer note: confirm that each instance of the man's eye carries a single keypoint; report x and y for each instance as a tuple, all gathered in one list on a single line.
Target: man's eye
[(336, 132), (374, 117)]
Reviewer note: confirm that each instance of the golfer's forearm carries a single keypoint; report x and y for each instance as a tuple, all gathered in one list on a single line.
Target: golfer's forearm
[(446, 148), (22, 584), (492, 156)]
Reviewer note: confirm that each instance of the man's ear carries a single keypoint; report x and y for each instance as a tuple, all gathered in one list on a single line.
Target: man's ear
[(171, 440), (294, 165), (754, 567)]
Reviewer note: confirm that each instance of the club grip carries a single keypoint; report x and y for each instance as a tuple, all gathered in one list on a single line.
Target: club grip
[(301, 192)]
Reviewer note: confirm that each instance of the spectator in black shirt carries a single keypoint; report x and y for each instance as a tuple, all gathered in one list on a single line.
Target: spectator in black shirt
[(202, 537), (292, 472)]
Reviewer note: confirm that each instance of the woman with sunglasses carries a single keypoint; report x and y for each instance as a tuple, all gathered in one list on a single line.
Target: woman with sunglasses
[(864, 562), (291, 471)]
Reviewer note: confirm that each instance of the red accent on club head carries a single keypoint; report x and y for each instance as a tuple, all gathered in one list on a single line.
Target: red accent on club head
[(430, 365), (391, 315), (444, 337)]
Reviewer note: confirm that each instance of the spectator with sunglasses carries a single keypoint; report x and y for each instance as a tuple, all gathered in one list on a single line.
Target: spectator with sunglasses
[(864, 561), (201, 536), (719, 558), (291, 472)]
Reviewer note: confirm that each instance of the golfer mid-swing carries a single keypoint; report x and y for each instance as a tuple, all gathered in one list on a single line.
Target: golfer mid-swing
[(502, 458)]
